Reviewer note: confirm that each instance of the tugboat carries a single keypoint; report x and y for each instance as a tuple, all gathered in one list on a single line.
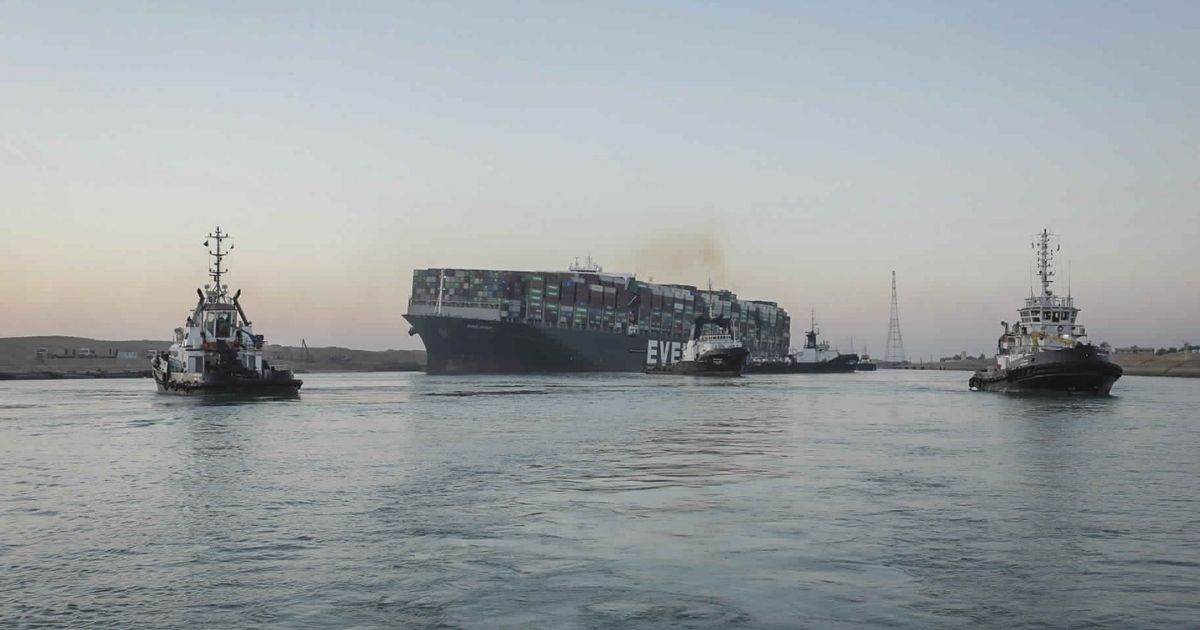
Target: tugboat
[(708, 354), (1048, 349), (216, 350), (814, 358), (865, 364)]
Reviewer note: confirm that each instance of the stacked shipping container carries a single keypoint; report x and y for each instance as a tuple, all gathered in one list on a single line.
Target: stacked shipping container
[(602, 302)]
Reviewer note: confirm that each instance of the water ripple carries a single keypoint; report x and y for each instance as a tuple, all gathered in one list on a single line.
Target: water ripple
[(889, 499)]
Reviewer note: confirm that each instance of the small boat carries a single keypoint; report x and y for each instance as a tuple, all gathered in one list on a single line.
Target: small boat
[(708, 353), (865, 364), (1048, 349), (216, 350), (814, 358)]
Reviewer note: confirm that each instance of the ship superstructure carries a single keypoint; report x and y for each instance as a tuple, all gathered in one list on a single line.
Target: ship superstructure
[(1047, 348), (582, 319), (216, 350)]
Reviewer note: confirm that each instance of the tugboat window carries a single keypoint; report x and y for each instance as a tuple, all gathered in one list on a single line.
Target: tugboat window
[(220, 324)]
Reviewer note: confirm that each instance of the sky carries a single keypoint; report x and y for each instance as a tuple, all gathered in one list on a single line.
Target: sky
[(810, 148)]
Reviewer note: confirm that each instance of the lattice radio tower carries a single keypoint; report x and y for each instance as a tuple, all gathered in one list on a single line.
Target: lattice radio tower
[(895, 343)]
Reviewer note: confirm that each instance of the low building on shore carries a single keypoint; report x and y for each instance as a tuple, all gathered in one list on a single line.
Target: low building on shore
[(1133, 350)]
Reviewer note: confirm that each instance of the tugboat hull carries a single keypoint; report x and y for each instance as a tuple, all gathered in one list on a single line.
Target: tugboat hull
[(273, 383), (729, 362), (841, 364), (1075, 370)]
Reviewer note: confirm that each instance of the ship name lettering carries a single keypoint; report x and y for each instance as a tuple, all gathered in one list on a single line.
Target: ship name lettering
[(659, 352)]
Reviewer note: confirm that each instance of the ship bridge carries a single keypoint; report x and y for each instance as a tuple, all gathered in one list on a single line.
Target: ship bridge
[(1050, 314), (1046, 313)]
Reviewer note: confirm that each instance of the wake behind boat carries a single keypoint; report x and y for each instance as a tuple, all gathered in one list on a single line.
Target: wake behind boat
[(1047, 350), (216, 351)]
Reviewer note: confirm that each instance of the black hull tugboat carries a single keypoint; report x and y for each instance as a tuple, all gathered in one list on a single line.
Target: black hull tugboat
[(814, 358), (708, 354), (216, 351), (1047, 350), (865, 364)]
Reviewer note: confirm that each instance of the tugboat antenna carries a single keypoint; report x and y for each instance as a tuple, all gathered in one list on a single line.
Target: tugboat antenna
[(1045, 257), (217, 253)]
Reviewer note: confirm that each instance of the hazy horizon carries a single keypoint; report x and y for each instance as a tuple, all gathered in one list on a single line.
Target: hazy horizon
[(794, 154)]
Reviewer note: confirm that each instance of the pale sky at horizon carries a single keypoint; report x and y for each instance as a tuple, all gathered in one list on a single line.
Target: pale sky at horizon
[(817, 147)]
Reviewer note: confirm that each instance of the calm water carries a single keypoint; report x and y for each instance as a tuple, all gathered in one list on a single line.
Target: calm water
[(401, 500)]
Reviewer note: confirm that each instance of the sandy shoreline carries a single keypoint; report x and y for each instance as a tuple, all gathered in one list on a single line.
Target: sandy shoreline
[(19, 358)]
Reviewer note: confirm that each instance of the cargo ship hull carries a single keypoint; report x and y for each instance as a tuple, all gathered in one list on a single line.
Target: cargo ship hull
[(455, 345)]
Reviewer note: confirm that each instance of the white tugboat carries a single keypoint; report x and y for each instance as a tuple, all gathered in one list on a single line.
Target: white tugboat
[(1048, 349), (815, 357), (216, 350), (707, 353)]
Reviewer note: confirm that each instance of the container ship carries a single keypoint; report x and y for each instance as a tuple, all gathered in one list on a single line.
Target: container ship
[(580, 320)]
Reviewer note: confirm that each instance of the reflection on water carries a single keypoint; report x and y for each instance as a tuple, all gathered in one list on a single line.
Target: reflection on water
[(401, 500)]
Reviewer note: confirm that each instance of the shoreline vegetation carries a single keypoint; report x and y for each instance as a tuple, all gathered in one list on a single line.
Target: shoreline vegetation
[(19, 360), (65, 358)]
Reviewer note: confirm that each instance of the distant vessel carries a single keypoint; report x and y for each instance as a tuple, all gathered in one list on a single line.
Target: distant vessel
[(1047, 350), (216, 351), (814, 358), (708, 353), (865, 364)]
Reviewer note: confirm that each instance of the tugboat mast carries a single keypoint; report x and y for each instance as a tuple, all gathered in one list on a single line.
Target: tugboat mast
[(1045, 258), (217, 253)]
